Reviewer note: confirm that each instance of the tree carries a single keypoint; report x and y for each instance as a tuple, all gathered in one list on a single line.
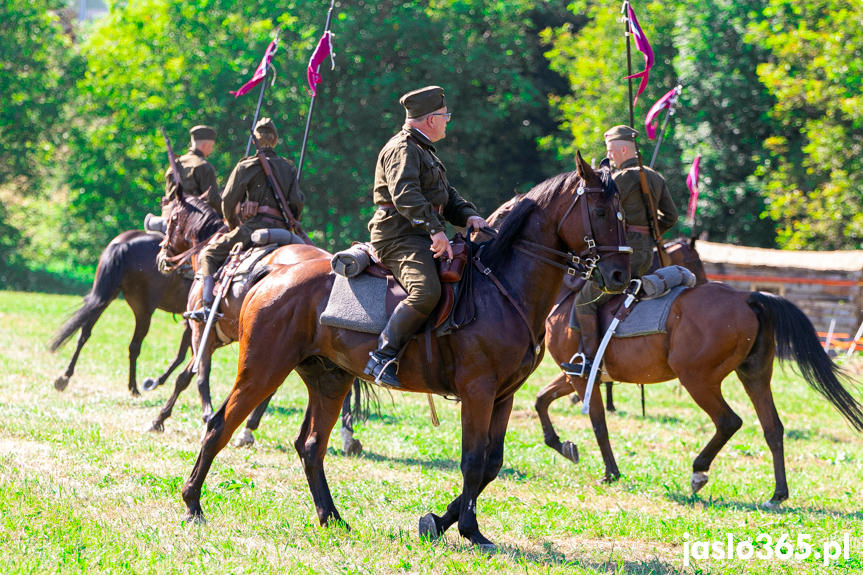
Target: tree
[(814, 176)]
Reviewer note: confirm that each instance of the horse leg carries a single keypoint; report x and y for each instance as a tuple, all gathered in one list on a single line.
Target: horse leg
[(327, 389), (61, 382), (183, 380), (203, 380), (432, 526), (142, 326), (600, 431), (185, 342), (609, 397), (756, 376), (254, 382), (559, 387), (247, 436), (707, 393), (350, 445)]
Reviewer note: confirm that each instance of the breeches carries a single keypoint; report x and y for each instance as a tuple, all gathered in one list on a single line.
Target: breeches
[(591, 297), (413, 265)]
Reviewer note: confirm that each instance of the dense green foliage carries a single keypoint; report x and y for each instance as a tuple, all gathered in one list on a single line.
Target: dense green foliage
[(771, 100)]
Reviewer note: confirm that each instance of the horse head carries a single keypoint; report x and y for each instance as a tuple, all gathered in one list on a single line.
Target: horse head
[(590, 224), (190, 224)]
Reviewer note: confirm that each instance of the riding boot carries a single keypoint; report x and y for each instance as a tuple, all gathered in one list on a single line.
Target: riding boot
[(400, 328), (207, 297), (589, 325)]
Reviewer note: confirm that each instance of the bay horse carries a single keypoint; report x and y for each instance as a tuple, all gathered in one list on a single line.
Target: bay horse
[(191, 225), (571, 221), (127, 265), (712, 330)]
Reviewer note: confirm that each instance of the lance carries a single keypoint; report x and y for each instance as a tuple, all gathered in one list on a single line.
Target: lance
[(312, 102), (668, 113), (260, 97)]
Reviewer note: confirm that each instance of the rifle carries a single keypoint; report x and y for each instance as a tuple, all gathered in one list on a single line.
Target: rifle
[(172, 160), (650, 208), (287, 214)]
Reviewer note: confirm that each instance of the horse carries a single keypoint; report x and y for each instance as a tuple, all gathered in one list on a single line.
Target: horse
[(128, 265), (192, 224), (712, 330), (569, 222)]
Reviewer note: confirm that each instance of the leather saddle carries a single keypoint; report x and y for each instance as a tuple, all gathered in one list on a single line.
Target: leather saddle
[(450, 273)]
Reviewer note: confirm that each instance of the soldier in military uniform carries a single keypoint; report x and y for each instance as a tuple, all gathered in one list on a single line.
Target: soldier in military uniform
[(249, 203), (620, 148), (414, 198), (198, 177)]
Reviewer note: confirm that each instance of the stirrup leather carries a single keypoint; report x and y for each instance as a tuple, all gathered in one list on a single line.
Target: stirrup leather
[(578, 365)]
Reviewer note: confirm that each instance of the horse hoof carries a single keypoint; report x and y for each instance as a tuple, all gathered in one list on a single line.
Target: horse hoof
[(610, 478), (245, 438), (486, 547), (771, 505), (134, 391), (157, 427), (61, 382), (352, 448), (428, 528), (194, 518), (149, 384), (699, 480), (570, 451)]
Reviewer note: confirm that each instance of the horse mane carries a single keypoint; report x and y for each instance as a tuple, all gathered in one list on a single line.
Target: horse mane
[(202, 221), (498, 250)]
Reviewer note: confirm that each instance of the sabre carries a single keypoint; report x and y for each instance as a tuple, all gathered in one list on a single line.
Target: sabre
[(223, 289), (594, 369)]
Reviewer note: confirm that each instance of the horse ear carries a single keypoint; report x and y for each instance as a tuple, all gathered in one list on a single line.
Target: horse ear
[(582, 168)]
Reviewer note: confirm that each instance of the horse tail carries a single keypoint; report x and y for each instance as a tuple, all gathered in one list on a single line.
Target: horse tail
[(364, 401), (797, 339), (106, 287)]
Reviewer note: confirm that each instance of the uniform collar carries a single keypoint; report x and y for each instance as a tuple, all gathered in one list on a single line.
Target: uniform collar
[(420, 137), (197, 152), (630, 163)]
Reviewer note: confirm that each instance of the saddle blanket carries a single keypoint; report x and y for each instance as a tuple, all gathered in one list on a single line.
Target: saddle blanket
[(250, 259), (358, 304), (647, 317)]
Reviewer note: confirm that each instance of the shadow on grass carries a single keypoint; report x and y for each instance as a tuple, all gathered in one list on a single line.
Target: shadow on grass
[(784, 509)]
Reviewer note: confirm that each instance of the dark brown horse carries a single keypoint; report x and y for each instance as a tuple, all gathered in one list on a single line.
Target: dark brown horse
[(127, 265), (515, 279), (191, 225), (712, 330)]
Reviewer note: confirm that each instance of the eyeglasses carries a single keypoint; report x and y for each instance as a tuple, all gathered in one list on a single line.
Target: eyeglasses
[(447, 115)]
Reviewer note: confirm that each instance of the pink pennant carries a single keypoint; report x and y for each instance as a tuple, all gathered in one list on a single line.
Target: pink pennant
[(261, 71), (692, 184), (667, 101), (323, 49), (644, 47)]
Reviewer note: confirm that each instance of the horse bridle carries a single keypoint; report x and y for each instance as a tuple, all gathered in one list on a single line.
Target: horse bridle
[(584, 262), (168, 264)]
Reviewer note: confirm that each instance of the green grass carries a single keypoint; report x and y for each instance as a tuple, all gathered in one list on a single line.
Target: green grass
[(84, 489)]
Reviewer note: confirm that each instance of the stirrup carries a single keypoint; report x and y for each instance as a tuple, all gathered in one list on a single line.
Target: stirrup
[(201, 314), (577, 366), (379, 367)]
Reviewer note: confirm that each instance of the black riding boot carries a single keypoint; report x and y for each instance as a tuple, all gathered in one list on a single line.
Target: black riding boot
[(401, 327), (589, 325), (207, 297)]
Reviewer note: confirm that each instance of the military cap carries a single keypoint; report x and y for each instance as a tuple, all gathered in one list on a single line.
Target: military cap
[(423, 101), (266, 127), (203, 133), (621, 132)]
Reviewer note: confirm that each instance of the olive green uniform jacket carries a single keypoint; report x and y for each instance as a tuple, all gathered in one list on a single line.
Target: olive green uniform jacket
[(590, 298), (248, 183), (198, 178), (414, 199)]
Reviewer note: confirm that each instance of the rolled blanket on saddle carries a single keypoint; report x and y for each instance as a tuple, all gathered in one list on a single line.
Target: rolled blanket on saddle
[(277, 236), (658, 283), (352, 261)]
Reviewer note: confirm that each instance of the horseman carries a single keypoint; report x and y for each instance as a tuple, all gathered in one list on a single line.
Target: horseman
[(249, 203), (414, 199), (198, 175), (620, 148)]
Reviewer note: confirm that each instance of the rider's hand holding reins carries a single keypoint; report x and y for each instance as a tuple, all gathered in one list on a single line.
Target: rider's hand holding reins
[(476, 223), (440, 245)]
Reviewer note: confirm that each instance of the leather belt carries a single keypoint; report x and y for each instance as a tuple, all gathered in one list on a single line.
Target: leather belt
[(638, 229), (392, 206), (269, 213)]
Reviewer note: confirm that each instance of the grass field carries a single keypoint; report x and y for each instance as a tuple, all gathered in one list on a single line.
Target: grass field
[(84, 489)]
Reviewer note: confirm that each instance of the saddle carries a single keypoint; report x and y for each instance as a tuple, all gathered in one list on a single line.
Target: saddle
[(264, 242), (356, 303)]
